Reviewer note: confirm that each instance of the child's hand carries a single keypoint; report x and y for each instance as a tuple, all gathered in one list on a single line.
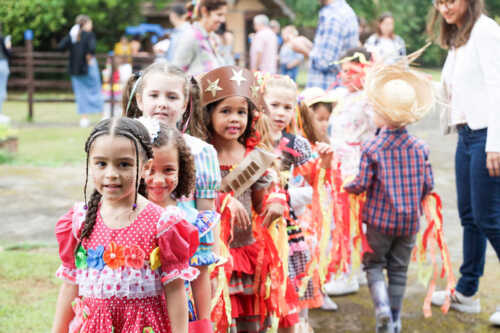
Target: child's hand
[(239, 213), (272, 212), (325, 152)]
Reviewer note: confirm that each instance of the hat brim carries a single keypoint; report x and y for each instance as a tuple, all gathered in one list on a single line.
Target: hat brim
[(378, 76)]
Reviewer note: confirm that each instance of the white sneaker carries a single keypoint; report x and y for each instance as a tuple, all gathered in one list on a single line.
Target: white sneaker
[(342, 286), (362, 280), (459, 302), (495, 318), (84, 122), (328, 304)]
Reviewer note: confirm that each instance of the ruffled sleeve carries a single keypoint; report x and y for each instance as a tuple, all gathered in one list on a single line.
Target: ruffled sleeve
[(177, 240), (208, 178), (66, 234)]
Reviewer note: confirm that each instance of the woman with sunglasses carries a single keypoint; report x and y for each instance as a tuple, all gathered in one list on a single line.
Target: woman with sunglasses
[(471, 85)]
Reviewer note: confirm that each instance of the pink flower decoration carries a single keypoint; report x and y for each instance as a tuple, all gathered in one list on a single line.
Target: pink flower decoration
[(134, 257)]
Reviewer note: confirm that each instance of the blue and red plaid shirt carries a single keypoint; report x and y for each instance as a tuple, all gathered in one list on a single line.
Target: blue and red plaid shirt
[(396, 173)]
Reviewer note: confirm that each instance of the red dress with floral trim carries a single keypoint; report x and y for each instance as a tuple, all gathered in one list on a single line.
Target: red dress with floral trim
[(120, 273)]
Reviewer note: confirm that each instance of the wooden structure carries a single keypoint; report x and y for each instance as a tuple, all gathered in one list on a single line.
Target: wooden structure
[(239, 18), (33, 71)]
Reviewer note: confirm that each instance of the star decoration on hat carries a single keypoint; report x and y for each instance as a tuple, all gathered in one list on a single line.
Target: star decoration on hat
[(255, 91), (213, 87), (238, 76)]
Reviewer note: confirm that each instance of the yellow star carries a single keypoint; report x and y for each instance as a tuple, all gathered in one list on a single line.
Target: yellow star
[(238, 77), (213, 87)]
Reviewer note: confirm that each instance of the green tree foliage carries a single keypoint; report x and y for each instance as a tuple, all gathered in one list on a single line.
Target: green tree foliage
[(51, 20), (410, 20)]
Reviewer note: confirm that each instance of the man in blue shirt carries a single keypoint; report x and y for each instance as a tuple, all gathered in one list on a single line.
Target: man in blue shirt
[(337, 32)]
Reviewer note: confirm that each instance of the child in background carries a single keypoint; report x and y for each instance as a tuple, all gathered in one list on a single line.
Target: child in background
[(280, 95), (396, 174), (321, 104), (119, 251), (166, 93), (351, 124), (289, 59), (227, 121)]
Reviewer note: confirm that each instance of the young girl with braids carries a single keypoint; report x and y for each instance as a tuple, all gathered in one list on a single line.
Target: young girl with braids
[(280, 95), (229, 98), (166, 93), (124, 258)]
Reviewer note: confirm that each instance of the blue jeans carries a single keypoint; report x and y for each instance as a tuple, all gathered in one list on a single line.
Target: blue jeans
[(478, 206), (292, 72), (4, 76)]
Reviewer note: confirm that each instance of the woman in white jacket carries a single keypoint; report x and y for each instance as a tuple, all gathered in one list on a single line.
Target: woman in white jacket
[(471, 82)]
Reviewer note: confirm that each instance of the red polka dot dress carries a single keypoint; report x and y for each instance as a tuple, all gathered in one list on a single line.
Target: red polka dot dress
[(120, 273)]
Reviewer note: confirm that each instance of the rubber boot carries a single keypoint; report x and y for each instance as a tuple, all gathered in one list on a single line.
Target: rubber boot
[(383, 315)]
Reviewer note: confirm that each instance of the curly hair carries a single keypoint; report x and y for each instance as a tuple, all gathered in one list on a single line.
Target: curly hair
[(187, 171), (135, 132), (201, 123), (191, 91)]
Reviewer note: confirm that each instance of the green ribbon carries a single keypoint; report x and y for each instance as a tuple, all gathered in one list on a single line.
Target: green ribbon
[(81, 258)]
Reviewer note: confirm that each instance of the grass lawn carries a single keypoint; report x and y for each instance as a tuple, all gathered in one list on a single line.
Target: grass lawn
[(54, 138), (28, 289)]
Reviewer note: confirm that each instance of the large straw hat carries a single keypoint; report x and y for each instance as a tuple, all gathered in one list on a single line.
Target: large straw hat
[(398, 94)]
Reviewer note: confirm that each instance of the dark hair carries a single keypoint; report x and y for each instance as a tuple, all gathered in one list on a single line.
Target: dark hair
[(328, 106), (138, 134), (191, 91), (351, 52), (187, 174), (381, 19), (133, 110), (179, 9), (309, 128), (201, 122), (450, 35), (210, 6)]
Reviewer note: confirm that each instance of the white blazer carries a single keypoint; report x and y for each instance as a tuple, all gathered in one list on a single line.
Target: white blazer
[(472, 75)]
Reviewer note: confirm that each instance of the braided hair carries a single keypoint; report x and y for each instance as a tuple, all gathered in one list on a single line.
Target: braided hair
[(130, 129)]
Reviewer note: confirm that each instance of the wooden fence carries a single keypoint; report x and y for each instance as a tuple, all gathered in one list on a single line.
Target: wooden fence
[(32, 70)]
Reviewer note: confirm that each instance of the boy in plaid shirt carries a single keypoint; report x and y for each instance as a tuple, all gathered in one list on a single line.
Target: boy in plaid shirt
[(396, 174)]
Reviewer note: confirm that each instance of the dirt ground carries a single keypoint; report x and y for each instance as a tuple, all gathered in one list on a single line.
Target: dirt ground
[(32, 199)]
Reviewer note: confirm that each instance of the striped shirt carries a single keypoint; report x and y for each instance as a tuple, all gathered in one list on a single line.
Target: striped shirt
[(396, 173), (338, 31)]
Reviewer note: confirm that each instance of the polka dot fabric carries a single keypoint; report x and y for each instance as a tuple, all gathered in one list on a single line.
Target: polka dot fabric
[(129, 299)]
